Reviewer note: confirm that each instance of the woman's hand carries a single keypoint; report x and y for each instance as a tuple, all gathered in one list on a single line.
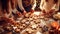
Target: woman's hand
[(24, 12)]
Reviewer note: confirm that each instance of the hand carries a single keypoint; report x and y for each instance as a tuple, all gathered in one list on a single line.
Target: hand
[(24, 12), (18, 13), (31, 11)]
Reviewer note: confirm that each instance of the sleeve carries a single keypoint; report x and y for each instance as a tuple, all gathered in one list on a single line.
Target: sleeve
[(34, 4), (20, 5), (56, 6), (41, 4)]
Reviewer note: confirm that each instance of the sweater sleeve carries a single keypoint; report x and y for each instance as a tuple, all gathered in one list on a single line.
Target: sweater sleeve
[(56, 6), (34, 4), (20, 5), (41, 4)]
